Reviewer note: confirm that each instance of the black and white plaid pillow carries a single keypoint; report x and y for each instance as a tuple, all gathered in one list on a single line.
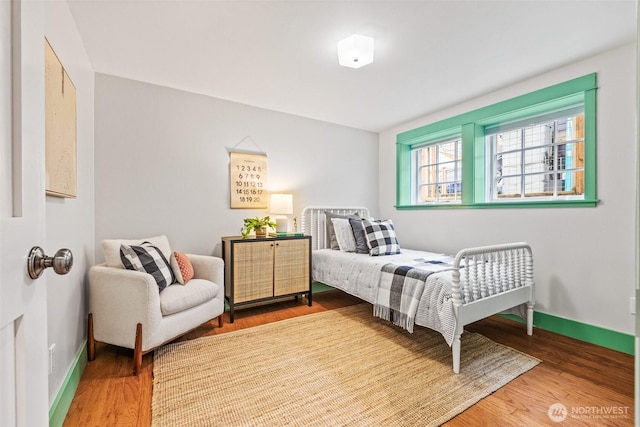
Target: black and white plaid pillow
[(147, 259), (381, 237)]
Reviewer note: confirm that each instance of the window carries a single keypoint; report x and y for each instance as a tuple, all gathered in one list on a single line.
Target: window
[(438, 168), (537, 149), (538, 159)]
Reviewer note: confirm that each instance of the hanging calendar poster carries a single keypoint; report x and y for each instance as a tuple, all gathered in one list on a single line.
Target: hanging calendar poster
[(248, 178)]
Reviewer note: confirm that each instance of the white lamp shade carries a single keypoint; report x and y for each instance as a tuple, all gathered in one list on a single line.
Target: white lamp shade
[(355, 51), (281, 204)]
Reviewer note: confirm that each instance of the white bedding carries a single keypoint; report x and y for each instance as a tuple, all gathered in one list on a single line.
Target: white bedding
[(359, 275)]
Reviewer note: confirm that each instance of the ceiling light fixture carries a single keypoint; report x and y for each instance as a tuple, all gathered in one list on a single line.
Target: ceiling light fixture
[(355, 51)]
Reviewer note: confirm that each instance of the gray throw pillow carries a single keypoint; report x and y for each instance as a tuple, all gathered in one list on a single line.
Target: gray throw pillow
[(360, 236), (331, 231)]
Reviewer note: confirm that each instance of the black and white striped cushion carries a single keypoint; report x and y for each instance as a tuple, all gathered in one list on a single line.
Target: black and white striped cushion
[(147, 259), (381, 237)]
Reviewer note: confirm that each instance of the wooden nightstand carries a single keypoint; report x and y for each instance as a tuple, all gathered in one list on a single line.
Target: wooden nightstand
[(263, 269)]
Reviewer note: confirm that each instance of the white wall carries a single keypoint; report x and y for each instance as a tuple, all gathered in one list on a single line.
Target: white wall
[(162, 167), (584, 257), (70, 222)]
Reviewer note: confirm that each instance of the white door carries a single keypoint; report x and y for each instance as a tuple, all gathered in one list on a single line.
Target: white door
[(23, 316)]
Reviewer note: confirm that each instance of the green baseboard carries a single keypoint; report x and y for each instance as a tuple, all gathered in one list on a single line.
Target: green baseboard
[(62, 403), (317, 287), (603, 337)]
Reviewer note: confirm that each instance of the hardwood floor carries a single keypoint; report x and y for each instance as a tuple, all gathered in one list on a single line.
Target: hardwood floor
[(594, 384)]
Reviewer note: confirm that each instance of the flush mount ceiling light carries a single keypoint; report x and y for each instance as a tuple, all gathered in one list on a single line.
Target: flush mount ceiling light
[(355, 51)]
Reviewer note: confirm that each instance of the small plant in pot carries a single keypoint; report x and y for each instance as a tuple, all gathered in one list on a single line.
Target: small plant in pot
[(258, 224)]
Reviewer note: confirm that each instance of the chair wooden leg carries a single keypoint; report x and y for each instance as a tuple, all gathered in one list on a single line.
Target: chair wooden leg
[(91, 342), (137, 352), (221, 320)]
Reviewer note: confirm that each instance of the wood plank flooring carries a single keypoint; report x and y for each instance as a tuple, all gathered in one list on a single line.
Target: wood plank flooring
[(594, 384)]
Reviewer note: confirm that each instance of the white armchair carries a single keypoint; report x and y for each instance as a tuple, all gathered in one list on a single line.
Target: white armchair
[(127, 309)]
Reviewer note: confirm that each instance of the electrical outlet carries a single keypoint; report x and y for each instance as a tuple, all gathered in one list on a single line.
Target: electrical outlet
[(632, 305), (52, 358)]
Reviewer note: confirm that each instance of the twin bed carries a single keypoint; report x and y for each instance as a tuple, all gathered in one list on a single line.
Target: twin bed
[(440, 292)]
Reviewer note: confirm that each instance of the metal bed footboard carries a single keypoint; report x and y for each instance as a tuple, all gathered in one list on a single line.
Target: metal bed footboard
[(488, 280), (491, 270)]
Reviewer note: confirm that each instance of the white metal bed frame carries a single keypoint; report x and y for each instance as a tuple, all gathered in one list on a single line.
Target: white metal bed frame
[(495, 278)]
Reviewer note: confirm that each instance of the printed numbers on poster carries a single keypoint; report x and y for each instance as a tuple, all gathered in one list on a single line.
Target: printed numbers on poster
[(248, 181)]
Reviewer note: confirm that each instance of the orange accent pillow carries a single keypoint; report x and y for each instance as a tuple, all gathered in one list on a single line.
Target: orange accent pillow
[(184, 271)]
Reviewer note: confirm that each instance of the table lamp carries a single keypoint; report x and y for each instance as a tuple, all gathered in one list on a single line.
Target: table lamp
[(281, 205)]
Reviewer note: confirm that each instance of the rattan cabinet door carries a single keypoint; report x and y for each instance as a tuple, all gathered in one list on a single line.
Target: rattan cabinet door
[(291, 266), (252, 270)]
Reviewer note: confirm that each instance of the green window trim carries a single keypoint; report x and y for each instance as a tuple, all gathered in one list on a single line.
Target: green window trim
[(471, 126)]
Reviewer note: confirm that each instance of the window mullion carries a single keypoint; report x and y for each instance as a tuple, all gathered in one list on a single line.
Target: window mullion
[(437, 173), (417, 177), (472, 163), (522, 163), (456, 172), (554, 144)]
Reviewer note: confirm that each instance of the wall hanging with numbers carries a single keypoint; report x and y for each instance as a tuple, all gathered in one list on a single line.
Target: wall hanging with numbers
[(248, 180)]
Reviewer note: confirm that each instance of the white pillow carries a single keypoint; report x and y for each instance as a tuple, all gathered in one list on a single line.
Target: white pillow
[(344, 234), (111, 248)]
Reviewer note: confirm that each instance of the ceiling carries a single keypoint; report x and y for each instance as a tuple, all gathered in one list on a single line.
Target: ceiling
[(281, 55)]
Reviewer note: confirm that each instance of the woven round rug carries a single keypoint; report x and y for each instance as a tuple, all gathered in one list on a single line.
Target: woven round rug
[(341, 367)]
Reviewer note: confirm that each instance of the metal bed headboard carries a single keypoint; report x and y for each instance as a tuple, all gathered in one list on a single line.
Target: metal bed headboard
[(314, 222)]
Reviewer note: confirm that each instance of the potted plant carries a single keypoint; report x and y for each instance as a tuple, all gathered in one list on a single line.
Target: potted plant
[(258, 224)]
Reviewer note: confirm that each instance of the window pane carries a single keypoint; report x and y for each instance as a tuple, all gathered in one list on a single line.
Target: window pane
[(568, 128), (451, 191), (428, 155), (448, 151), (428, 174), (439, 173), (538, 135), (428, 193), (509, 141), (544, 160), (573, 183), (509, 187), (537, 159), (539, 185), (571, 155), (511, 163)]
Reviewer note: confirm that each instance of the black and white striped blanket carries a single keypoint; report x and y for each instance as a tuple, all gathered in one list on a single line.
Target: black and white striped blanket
[(400, 289)]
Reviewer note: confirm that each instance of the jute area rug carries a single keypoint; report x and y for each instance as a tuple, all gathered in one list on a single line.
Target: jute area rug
[(341, 367)]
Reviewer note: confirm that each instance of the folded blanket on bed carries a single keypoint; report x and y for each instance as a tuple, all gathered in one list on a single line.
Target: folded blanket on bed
[(400, 289), (399, 293)]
